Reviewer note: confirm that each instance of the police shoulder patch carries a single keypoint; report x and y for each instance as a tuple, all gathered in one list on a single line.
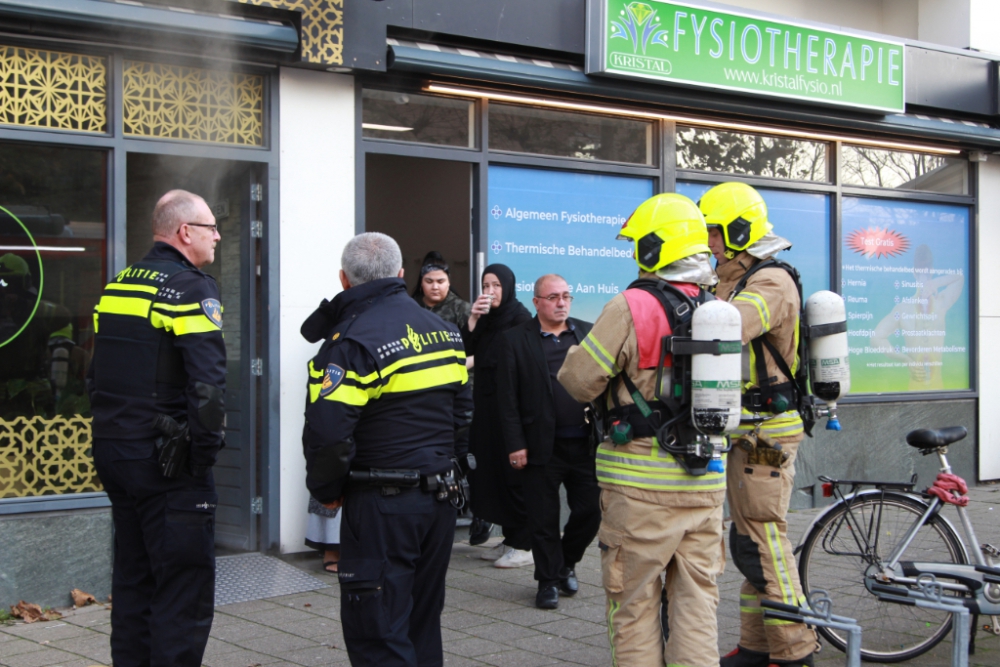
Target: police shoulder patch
[(334, 374), (213, 311)]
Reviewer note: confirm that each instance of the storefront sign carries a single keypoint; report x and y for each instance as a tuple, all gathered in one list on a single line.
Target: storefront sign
[(543, 221), (904, 282), (686, 44)]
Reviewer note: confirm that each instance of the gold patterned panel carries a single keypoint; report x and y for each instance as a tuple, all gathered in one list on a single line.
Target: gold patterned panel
[(322, 27), (41, 457), (64, 91), (173, 102)]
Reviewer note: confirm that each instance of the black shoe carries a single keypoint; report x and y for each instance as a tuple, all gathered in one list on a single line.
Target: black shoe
[(568, 583), (479, 531), (799, 662), (741, 657), (547, 598)]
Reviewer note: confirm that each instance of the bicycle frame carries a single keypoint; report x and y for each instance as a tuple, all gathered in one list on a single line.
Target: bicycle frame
[(978, 578)]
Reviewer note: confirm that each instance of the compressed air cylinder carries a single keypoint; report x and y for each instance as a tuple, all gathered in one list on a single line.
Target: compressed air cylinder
[(715, 378), (829, 371)]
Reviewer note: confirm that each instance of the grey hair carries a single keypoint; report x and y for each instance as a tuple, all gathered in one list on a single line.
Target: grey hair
[(548, 276), (172, 210), (371, 256)]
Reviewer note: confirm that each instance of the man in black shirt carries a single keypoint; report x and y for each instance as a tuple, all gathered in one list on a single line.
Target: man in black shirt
[(546, 434)]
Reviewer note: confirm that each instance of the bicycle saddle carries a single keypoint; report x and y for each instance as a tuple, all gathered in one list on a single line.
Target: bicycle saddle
[(932, 438)]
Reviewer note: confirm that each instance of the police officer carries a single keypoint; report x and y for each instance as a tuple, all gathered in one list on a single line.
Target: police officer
[(388, 402), (158, 351), (761, 469), (657, 516)]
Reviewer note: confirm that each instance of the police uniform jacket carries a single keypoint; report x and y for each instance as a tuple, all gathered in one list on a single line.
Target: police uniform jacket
[(159, 349), (388, 389)]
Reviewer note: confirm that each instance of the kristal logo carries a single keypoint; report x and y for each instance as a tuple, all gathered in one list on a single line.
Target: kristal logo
[(496, 212), (640, 24), (497, 247)]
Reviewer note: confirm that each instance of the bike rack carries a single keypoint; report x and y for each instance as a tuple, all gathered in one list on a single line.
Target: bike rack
[(819, 612), (931, 596)]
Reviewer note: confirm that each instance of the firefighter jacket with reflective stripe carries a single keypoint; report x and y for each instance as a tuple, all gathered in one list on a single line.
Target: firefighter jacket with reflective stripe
[(769, 306), (158, 348), (388, 389), (639, 469)]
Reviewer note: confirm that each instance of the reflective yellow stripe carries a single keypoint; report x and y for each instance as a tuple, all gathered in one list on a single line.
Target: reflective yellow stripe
[(645, 472), (777, 621), (192, 324), (750, 604), (600, 355), (124, 305), (418, 359), (758, 302), (778, 562), (314, 389), (180, 308), (313, 373), (780, 426), (427, 378), (348, 394), (180, 326), (95, 320), (613, 608), (128, 287)]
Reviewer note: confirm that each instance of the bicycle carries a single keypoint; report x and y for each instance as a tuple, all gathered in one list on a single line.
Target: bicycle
[(879, 541)]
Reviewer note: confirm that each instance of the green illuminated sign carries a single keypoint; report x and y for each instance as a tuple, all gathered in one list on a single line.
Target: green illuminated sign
[(686, 44)]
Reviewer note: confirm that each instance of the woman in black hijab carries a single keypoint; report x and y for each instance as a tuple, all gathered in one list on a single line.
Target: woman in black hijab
[(496, 487)]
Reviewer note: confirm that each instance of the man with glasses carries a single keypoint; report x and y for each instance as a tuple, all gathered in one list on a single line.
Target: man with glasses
[(546, 434), (157, 387)]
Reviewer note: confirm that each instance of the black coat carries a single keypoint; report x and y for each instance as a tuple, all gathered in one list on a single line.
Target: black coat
[(527, 407)]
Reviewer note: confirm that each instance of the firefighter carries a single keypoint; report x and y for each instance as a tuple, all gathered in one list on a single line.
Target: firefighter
[(386, 431), (159, 353), (658, 518), (762, 464)]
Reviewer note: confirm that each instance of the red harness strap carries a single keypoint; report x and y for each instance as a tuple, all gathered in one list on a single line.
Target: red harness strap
[(651, 323)]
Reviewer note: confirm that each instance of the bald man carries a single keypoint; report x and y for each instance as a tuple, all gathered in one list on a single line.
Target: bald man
[(157, 387)]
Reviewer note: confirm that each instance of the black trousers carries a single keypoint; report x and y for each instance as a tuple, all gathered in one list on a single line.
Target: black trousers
[(163, 583), (572, 465), (394, 554)]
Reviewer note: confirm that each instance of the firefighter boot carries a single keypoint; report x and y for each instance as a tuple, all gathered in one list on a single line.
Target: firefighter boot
[(742, 657), (800, 662)]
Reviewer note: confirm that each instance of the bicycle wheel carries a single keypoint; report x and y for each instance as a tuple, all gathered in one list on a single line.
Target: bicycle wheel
[(839, 549)]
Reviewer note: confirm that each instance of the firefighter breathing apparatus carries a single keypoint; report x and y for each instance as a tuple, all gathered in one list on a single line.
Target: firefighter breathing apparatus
[(822, 353), (740, 213), (697, 401)]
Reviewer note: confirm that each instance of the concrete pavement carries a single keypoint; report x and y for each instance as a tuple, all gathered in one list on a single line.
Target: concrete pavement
[(489, 619)]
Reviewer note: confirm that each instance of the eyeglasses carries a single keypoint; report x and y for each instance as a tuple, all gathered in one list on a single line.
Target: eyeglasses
[(552, 298), (214, 228)]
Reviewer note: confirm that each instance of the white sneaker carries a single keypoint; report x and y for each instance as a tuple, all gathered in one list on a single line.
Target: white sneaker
[(515, 558), (494, 553)]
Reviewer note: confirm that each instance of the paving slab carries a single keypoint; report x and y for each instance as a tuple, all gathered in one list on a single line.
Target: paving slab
[(489, 619)]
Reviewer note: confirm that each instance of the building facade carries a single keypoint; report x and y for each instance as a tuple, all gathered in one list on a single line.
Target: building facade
[(521, 133)]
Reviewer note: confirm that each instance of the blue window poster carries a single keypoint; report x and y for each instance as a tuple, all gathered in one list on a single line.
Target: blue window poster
[(904, 279), (802, 218), (543, 221)]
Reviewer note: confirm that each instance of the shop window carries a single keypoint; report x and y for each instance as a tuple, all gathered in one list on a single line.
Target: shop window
[(191, 104), (751, 154), (423, 119), (525, 129), (880, 168), (49, 89), (905, 280), (546, 221), (53, 224), (802, 218)]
